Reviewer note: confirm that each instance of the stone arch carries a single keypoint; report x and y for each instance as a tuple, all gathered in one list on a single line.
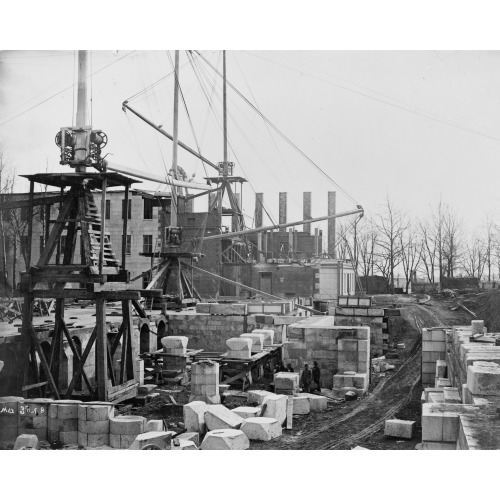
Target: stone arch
[(161, 331), (144, 334)]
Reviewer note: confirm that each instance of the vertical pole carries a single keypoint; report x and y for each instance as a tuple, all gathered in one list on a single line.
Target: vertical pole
[(101, 350), (332, 204), (81, 110), (173, 215), (125, 229), (259, 203), (306, 214), (316, 241), (30, 227), (224, 105), (103, 222), (282, 211)]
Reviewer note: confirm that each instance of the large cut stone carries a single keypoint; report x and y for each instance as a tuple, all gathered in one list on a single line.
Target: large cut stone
[(257, 341), (162, 440), (194, 416), (257, 396), (399, 428), (286, 381), (95, 413), (26, 441), (127, 424), (316, 402), (239, 348), (477, 326), (247, 411), (185, 445), (261, 428), (274, 406), (219, 417), (225, 439), (268, 335), (154, 426), (301, 405), (483, 378), (191, 436), (175, 343)]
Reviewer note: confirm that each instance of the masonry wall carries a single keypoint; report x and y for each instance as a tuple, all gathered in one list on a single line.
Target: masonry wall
[(317, 339)]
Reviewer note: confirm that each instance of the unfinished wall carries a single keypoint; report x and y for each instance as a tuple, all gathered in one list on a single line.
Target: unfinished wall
[(207, 331), (317, 339)]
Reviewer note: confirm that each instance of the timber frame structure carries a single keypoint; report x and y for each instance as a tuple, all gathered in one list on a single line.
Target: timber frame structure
[(100, 278)]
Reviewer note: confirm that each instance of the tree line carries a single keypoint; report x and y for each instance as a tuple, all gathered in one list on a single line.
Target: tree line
[(391, 243)]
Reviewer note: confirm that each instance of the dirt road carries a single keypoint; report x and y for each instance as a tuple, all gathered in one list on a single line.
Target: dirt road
[(397, 394)]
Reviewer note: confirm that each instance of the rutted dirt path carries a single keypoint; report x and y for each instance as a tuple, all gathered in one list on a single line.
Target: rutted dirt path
[(343, 427)]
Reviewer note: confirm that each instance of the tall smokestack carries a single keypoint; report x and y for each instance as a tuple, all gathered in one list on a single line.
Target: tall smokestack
[(307, 212), (282, 210), (332, 210), (259, 203)]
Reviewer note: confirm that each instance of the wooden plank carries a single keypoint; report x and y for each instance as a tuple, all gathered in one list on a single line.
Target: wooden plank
[(83, 359), (101, 358), (289, 413), (33, 386), (121, 295), (52, 277), (65, 293)]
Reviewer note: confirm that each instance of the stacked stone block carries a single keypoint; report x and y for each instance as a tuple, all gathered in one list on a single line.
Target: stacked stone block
[(33, 417), (268, 335), (286, 383), (239, 348), (63, 422), (316, 339), (206, 331), (257, 341), (433, 349), (93, 425), (370, 317), (205, 381), (9, 417), (124, 429), (175, 346)]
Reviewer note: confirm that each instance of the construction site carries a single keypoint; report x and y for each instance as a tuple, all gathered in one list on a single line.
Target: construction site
[(131, 320)]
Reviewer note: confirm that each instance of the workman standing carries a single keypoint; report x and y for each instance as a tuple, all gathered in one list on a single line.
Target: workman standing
[(306, 379), (289, 368), (316, 376)]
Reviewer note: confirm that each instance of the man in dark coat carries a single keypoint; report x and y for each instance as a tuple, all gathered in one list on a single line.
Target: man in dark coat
[(316, 376), (306, 379)]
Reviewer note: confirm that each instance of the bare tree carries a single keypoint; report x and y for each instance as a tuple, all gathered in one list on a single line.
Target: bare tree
[(490, 244), (390, 225), (7, 177), (429, 251), (411, 253), (451, 242), (474, 259)]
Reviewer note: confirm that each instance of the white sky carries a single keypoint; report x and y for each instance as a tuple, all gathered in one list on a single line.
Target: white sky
[(416, 125), (369, 147)]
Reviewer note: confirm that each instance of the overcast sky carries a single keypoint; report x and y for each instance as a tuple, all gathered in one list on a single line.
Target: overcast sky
[(414, 125)]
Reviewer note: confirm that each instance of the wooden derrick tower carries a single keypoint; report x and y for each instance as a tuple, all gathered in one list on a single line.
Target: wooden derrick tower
[(97, 276)]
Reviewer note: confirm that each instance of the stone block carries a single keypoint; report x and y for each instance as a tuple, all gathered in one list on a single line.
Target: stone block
[(82, 440), (68, 437), (239, 348), (203, 308), (451, 395), (477, 327), (261, 428), (26, 441), (440, 368), (177, 343), (229, 309), (399, 428), (317, 402), (274, 406), (162, 440), (96, 440), (432, 424), (286, 380), (127, 424), (257, 396), (220, 417), (247, 411), (191, 436), (225, 439), (483, 378), (93, 427), (95, 413), (66, 411), (301, 405), (209, 400), (268, 335), (348, 345), (194, 416), (257, 341), (183, 444), (154, 426), (439, 445)]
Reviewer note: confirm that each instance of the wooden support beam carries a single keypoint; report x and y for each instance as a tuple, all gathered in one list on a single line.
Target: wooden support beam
[(81, 363), (101, 361)]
